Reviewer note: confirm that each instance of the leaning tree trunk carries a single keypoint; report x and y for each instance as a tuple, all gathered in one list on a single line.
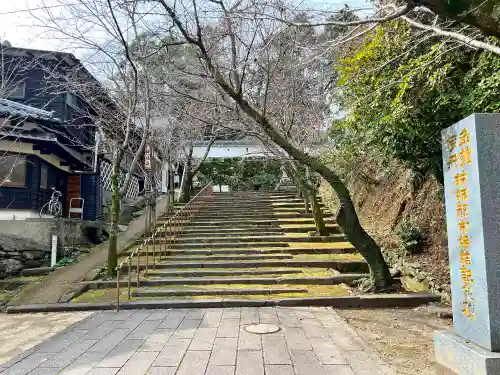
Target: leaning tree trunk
[(115, 217), (347, 218), (187, 187), (309, 195)]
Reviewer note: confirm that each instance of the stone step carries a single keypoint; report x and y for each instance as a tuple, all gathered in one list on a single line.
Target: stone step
[(269, 239), (202, 230), (220, 234), (251, 222), (224, 245), (252, 207), (213, 292), (407, 300), (339, 265), (191, 258), (308, 280), (204, 273), (243, 250), (250, 216)]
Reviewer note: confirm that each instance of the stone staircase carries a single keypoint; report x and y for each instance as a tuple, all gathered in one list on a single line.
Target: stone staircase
[(248, 245)]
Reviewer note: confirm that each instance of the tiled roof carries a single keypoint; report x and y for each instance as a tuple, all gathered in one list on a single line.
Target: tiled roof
[(22, 110)]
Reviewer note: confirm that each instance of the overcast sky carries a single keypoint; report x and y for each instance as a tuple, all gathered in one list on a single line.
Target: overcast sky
[(17, 24)]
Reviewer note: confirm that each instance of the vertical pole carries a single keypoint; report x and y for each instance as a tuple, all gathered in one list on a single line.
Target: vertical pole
[(154, 249), (129, 276), (165, 240), (169, 223), (138, 269), (147, 260), (118, 289), (53, 257)]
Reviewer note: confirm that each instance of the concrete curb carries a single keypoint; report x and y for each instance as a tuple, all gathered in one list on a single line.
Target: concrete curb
[(348, 302)]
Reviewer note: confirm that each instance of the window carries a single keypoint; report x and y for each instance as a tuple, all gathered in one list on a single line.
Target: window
[(71, 100), (13, 171), (44, 176), (18, 91)]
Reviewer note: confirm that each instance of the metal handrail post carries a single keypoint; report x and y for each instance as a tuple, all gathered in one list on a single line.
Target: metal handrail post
[(154, 248), (138, 269), (118, 289), (129, 262), (147, 260), (154, 253)]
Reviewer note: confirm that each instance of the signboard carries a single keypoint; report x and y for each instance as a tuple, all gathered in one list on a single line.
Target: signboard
[(471, 165), (147, 158)]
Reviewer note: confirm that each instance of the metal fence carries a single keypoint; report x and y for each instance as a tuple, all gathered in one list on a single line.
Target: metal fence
[(161, 240)]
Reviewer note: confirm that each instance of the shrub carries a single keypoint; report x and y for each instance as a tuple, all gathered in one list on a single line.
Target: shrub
[(412, 237)]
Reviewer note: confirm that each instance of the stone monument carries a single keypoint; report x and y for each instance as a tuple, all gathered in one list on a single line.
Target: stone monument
[(471, 160)]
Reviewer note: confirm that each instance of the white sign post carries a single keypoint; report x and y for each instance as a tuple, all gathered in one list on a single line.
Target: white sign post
[(53, 258)]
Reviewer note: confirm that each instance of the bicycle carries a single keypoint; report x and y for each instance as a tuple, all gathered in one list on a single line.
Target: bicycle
[(53, 207)]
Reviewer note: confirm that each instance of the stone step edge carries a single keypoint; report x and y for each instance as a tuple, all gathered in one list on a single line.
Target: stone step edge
[(344, 302), (205, 272), (346, 266), (324, 280), (249, 251), (213, 292), (272, 239), (180, 258)]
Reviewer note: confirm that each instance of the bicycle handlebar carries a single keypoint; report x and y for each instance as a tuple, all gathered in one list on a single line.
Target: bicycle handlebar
[(56, 191)]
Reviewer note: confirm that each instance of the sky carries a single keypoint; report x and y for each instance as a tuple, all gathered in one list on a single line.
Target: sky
[(17, 25)]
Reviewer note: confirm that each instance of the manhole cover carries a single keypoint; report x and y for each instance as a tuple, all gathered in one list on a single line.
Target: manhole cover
[(262, 329)]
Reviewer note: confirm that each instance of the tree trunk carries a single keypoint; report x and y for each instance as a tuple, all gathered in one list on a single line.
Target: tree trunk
[(186, 187), (318, 217), (115, 217), (347, 218), (305, 195)]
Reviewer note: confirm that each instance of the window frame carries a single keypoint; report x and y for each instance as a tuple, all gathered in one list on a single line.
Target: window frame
[(11, 184), (74, 100), (46, 167), (23, 96)]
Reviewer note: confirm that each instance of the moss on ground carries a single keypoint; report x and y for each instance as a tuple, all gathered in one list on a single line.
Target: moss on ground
[(328, 257), (109, 295), (320, 245)]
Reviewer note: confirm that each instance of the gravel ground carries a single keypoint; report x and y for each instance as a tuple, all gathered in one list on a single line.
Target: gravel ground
[(401, 337)]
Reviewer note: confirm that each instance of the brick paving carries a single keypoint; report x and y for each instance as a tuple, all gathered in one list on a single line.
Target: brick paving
[(312, 341)]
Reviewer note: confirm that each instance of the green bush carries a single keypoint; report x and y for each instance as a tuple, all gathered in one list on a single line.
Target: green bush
[(241, 174), (412, 237)]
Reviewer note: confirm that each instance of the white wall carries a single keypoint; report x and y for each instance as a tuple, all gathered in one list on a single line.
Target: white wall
[(225, 151), (6, 214)]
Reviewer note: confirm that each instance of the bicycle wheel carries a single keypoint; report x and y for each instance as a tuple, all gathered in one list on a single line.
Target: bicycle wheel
[(45, 210)]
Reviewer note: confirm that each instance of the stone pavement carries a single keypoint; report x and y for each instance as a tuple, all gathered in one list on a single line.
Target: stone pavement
[(312, 341)]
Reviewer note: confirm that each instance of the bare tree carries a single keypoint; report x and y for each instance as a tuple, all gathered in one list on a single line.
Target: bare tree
[(229, 55), (111, 34)]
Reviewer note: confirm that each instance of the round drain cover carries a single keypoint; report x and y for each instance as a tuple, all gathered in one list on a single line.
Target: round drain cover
[(262, 328)]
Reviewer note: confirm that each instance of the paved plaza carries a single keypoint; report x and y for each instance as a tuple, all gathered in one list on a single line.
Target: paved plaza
[(311, 341)]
